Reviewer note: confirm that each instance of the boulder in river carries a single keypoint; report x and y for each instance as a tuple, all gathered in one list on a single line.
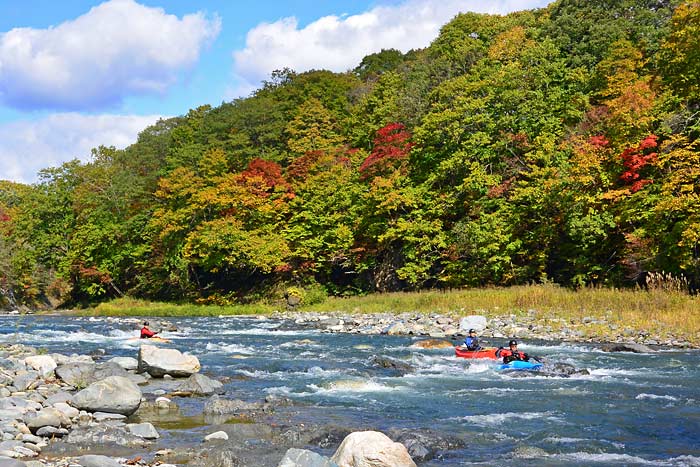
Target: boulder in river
[(423, 445), (433, 344), (220, 406), (160, 362), (200, 385), (391, 364), (636, 348), (371, 449), (305, 458), (115, 394)]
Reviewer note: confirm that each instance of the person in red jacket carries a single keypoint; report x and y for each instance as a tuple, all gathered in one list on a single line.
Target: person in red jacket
[(511, 353), (145, 332)]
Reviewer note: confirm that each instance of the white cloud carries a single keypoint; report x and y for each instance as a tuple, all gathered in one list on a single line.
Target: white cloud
[(339, 43), (118, 48), (29, 146)]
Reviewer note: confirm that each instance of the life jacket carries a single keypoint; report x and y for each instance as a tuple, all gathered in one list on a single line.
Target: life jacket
[(472, 343), (508, 355), (146, 333)]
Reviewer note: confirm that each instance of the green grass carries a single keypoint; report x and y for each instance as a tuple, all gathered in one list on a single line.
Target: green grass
[(134, 307), (659, 312), (656, 311)]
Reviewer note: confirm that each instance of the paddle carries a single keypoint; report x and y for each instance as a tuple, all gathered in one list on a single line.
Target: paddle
[(538, 359)]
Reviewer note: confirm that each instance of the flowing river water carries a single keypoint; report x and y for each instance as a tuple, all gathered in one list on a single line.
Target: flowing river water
[(631, 409)]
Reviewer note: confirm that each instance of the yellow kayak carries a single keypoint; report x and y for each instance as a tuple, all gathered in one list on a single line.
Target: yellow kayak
[(152, 340)]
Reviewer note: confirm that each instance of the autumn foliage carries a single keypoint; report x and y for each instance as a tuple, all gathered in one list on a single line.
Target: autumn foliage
[(390, 151), (635, 159), (513, 149)]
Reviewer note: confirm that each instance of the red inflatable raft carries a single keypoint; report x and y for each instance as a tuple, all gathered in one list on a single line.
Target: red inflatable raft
[(484, 353)]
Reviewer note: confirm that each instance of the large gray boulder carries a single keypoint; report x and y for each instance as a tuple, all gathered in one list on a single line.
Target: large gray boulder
[(128, 363), (160, 362), (9, 462), (305, 458), (24, 380), (115, 394), (78, 374), (635, 348), (44, 364), (46, 417), (105, 434), (200, 385), (371, 449), (476, 322)]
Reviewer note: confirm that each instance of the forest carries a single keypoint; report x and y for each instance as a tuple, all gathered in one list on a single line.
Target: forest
[(557, 145)]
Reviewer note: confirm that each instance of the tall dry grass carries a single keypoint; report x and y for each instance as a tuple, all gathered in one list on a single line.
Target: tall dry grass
[(655, 310), (658, 311)]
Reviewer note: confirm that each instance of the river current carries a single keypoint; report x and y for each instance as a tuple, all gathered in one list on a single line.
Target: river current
[(630, 410)]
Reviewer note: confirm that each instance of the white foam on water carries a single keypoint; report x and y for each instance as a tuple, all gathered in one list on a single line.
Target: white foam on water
[(499, 418), (643, 396), (564, 440), (481, 366), (266, 332), (257, 374), (50, 335), (229, 348), (616, 372), (353, 386), (615, 459), (685, 461), (267, 325), (303, 343), (319, 372), (495, 392)]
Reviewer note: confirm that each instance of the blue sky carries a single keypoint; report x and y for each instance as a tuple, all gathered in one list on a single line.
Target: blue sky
[(75, 74)]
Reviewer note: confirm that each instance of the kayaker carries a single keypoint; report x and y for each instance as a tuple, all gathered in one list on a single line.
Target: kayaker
[(147, 333), (472, 342), (511, 353)]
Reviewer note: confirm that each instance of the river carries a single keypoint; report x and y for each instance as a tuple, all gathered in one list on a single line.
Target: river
[(631, 409)]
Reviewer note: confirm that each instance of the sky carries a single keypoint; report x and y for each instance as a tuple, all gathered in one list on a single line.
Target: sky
[(77, 74)]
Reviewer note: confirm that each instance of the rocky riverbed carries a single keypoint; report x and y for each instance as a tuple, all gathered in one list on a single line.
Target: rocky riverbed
[(108, 409), (530, 326), (83, 410)]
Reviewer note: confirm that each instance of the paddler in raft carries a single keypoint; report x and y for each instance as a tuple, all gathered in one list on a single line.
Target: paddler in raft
[(472, 342), (147, 333), (512, 353)]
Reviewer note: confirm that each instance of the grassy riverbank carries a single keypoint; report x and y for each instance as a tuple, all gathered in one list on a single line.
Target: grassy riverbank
[(657, 312), (135, 307)]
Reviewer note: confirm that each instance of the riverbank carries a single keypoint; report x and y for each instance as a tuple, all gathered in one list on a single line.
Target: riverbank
[(654, 317)]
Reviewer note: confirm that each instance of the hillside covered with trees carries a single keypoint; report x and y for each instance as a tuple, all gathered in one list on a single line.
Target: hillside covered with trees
[(555, 145)]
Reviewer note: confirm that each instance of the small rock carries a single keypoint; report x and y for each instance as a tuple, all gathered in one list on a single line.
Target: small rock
[(104, 416), (216, 436), (201, 385), (143, 430), (97, 461), (305, 458)]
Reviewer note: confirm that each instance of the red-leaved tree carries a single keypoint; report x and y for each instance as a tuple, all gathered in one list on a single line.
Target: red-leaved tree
[(270, 172), (634, 159), (391, 149)]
